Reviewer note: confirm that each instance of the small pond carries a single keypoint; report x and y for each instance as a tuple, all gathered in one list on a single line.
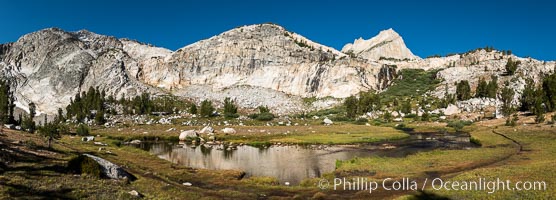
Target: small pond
[(294, 163)]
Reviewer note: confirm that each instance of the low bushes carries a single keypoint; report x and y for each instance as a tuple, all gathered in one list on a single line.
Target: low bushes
[(85, 166)]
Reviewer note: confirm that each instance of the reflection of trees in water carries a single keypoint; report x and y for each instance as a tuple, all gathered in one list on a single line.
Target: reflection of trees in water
[(228, 153), (288, 163), (157, 148), (205, 150), (262, 150)]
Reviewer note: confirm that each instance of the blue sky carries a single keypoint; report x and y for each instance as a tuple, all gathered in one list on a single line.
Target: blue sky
[(528, 28)]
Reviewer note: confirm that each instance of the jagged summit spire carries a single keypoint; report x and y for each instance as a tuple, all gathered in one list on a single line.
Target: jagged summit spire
[(388, 44)]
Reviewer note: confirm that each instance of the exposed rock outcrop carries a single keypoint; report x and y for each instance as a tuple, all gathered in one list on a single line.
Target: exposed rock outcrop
[(387, 44), (50, 66), (110, 169), (256, 65), (191, 134)]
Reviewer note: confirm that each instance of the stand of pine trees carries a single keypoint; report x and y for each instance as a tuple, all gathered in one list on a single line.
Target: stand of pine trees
[(367, 102), (81, 106), (7, 104)]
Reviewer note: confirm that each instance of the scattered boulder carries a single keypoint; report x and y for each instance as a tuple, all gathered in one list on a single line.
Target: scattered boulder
[(88, 138), (110, 169), (100, 144), (399, 119), (135, 193), (451, 110), (187, 184), (327, 121), (135, 142), (229, 130), (207, 129), (188, 134)]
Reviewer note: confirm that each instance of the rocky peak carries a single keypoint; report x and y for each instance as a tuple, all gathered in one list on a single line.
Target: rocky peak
[(268, 36), (387, 44)]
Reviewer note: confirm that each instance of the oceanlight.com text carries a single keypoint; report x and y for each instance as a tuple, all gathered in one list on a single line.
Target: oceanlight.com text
[(406, 184)]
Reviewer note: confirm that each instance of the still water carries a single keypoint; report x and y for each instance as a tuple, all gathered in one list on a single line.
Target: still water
[(294, 163)]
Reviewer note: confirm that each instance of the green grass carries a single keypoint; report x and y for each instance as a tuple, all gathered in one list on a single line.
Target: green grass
[(535, 163), (439, 161), (264, 135), (339, 134), (413, 82)]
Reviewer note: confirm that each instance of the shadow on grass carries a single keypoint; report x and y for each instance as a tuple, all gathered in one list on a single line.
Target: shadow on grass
[(37, 170), (423, 195), (25, 192)]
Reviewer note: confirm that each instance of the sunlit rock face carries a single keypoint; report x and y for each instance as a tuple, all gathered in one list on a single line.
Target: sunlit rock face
[(50, 66), (267, 61), (387, 44), (256, 65)]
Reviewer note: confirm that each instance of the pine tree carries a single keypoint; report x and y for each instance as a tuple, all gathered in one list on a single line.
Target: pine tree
[(5, 102), (11, 108), (51, 131), (99, 118), (463, 90), (29, 123), (206, 108), (538, 108), (351, 106), (230, 110), (507, 97), (60, 117), (549, 88), (511, 66), (406, 106), (193, 109), (528, 97), (492, 87), (482, 88)]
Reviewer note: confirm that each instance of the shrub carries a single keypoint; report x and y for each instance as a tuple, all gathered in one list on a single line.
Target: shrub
[(340, 118), (325, 112), (387, 116), (265, 116), (403, 127), (512, 120), (84, 165), (553, 119), (458, 124), (511, 66), (475, 141), (117, 143), (361, 121), (30, 144), (82, 130)]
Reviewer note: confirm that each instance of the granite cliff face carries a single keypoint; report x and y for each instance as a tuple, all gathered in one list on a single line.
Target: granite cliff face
[(265, 58), (261, 64), (50, 66)]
